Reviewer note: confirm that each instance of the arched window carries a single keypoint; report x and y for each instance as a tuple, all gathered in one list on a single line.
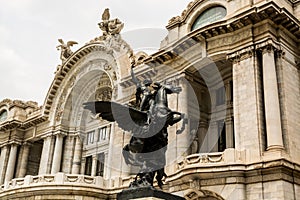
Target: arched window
[(210, 15), (3, 115)]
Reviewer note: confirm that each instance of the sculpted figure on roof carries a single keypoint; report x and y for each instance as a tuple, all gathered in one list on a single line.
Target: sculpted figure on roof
[(65, 49), (108, 26)]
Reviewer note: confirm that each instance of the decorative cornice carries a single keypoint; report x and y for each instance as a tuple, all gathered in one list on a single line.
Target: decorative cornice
[(267, 45), (19, 103), (11, 124), (253, 15), (179, 19), (141, 74), (16, 124)]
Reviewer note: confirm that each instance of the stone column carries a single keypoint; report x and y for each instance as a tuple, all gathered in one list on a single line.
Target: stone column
[(213, 137), (229, 132), (11, 162), (22, 165), (77, 156), (57, 154), (183, 139), (3, 162), (83, 163), (106, 167), (246, 103), (68, 154), (203, 137), (110, 152), (94, 165), (46, 153), (228, 93), (229, 119), (271, 100)]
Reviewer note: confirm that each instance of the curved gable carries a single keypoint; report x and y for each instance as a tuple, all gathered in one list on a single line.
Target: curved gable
[(97, 57), (193, 10)]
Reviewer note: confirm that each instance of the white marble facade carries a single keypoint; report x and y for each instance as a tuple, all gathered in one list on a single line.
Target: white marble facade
[(238, 65)]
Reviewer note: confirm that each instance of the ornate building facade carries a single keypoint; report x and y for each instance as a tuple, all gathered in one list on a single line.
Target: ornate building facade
[(237, 62)]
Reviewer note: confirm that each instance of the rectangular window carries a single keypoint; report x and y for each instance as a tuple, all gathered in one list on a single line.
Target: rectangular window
[(220, 96), (100, 164), (90, 137), (102, 134)]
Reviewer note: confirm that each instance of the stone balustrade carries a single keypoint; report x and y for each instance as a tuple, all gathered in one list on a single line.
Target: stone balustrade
[(194, 160), (229, 156), (66, 179)]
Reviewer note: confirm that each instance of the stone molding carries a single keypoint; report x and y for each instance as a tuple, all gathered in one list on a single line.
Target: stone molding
[(65, 180), (242, 54), (253, 15), (206, 158), (268, 11), (201, 175), (19, 103), (181, 18), (273, 170), (193, 194), (266, 46), (112, 45), (142, 73)]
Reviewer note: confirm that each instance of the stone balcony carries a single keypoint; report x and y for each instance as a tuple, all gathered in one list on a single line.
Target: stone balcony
[(203, 170), (63, 186)]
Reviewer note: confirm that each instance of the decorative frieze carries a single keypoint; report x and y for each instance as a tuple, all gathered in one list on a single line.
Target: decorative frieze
[(200, 158), (231, 40)]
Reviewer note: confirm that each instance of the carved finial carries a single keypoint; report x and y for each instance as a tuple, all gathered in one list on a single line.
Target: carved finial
[(110, 27), (66, 51)]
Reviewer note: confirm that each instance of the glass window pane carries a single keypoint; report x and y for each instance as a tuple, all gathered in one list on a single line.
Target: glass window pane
[(208, 16)]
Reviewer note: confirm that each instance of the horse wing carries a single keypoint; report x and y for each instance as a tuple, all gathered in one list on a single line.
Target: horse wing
[(71, 43), (127, 118)]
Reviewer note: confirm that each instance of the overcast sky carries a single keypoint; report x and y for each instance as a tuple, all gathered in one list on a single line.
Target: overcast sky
[(29, 30)]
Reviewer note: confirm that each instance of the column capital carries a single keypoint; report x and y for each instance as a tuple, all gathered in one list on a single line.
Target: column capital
[(4, 145), (241, 54), (60, 133), (49, 135), (228, 119), (27, 143), (14, 143), (268, 46)]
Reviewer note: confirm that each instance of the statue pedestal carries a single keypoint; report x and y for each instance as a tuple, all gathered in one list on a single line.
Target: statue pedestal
[(146, 193)]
